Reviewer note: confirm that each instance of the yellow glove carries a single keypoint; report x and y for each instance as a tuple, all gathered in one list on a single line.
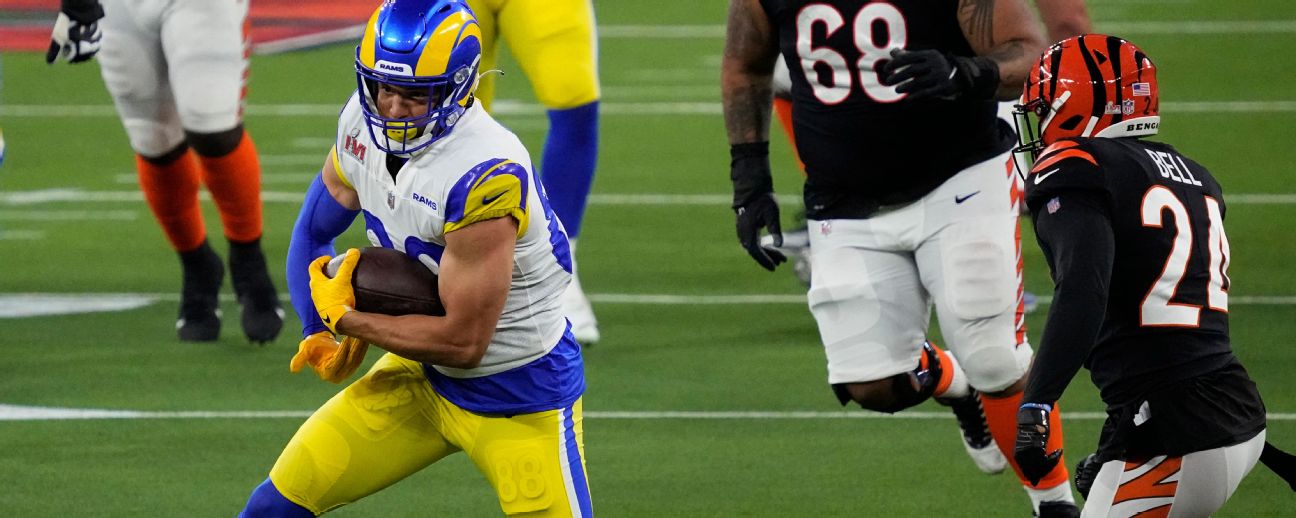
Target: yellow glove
[(333, 362), (333, 297)]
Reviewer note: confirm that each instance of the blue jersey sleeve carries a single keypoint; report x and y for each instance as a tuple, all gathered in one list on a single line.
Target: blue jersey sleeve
[(321, 220)]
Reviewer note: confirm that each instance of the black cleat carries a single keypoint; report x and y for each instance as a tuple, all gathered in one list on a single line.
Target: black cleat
[(262, 315), (203, 274), (1058, 509)]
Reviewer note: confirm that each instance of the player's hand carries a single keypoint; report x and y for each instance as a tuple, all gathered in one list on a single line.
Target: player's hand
[(1085, 472), (761, 212), (1032, 440), (333, 297), (76, 36), (332, 361), (931, 74), (754, 202)]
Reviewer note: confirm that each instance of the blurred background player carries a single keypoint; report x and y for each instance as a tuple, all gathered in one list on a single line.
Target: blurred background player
[(555, 43), (1133, 232), (177, 73), (910, 196), (499, 376)]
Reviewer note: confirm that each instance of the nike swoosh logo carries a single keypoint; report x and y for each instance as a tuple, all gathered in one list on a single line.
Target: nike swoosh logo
[(488, 199), (961, 199), (1040, 177), (328, 319)]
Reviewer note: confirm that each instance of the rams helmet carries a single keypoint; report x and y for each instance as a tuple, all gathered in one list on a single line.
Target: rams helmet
[(419, 46), (1088, 86)]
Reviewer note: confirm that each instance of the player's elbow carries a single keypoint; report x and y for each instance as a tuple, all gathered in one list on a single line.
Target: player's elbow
[(469, 347)]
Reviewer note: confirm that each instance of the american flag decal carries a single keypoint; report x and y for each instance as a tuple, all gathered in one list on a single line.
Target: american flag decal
[(1142, 89)]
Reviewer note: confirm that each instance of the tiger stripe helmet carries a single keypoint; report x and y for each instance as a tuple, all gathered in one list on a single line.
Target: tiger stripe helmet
[(1090, 85), (432, 46)]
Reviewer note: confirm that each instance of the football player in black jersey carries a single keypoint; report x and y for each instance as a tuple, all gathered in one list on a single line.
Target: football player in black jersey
[(1133, 231), (910, 196)]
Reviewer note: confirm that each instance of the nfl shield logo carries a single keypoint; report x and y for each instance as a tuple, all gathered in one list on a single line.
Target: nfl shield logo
[(391, 200)]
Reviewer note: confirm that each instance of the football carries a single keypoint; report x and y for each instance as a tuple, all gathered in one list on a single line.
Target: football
[(389, 282)]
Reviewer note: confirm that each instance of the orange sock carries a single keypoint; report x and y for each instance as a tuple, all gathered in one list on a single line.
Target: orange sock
[(783, 109), (234, 181), (1001, 415), (171, 191)]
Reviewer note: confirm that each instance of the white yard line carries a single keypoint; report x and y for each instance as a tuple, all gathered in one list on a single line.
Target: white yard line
[(39, 413), (42, 196), (506, 107), (651, 299), (1218, 27)]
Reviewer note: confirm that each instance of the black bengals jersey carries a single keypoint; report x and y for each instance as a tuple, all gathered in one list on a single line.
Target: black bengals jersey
[(864, 145), (1137, 228)]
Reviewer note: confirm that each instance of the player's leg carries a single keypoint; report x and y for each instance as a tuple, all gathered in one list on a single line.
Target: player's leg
[(535, 462), (379, 430), (206, 52), (134, 70), (486, 11), (970, 262), (555, 44), (1196, 484), (872, 312)]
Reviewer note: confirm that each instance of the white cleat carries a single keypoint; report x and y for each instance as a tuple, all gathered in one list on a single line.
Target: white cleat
[(987, 458), (578, 310)]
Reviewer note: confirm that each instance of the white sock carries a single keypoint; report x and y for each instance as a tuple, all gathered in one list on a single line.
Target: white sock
[(1060, 492), (959, 385)]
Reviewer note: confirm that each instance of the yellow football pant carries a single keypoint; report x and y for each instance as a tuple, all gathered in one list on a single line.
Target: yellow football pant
[(553, 41), (390, 424)]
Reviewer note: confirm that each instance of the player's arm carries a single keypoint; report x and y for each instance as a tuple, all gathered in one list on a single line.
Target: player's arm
[(328, 209), (1006, 39), (746, 88), (1074, 231), (476, 271), (1006, 33), (1064, 18)]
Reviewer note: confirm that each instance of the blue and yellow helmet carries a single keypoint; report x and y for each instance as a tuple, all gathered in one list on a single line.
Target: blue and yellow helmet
[(432, 45)]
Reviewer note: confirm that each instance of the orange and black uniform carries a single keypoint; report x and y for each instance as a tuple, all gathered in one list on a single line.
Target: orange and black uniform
[(863, 151), (1133, 233)]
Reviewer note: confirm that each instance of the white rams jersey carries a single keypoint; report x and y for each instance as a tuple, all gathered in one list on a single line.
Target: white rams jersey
[(479, 171)]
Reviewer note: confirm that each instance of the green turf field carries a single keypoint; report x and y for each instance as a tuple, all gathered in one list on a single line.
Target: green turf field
[(71, 223)]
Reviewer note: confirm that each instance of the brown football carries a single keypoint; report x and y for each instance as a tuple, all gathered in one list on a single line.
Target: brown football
[(389, 282)]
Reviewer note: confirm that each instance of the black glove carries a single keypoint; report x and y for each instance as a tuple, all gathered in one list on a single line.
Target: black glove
[(1085, 472), (1032, 439), (76, 36), (924, 74), (754, 202)]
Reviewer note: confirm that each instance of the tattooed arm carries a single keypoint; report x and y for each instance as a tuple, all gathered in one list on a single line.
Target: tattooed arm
[(1007, 32), (751, 47)]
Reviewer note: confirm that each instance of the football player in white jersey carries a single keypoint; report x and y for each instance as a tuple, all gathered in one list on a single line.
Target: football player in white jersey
[(500, 376), (177, 72)]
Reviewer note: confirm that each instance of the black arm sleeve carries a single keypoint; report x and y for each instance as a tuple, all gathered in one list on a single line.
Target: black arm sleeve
[(1079, 244)]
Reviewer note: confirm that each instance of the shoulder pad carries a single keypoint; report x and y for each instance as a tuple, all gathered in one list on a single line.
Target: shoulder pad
[(494, 188), (1063, 166)]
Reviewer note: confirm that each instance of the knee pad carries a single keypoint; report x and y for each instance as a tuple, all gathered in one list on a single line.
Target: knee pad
[(993, 369), (267, 501), (216, 144), (980, 271)]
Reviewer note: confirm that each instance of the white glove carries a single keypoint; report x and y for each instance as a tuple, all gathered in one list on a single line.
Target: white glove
[(73, 41)]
